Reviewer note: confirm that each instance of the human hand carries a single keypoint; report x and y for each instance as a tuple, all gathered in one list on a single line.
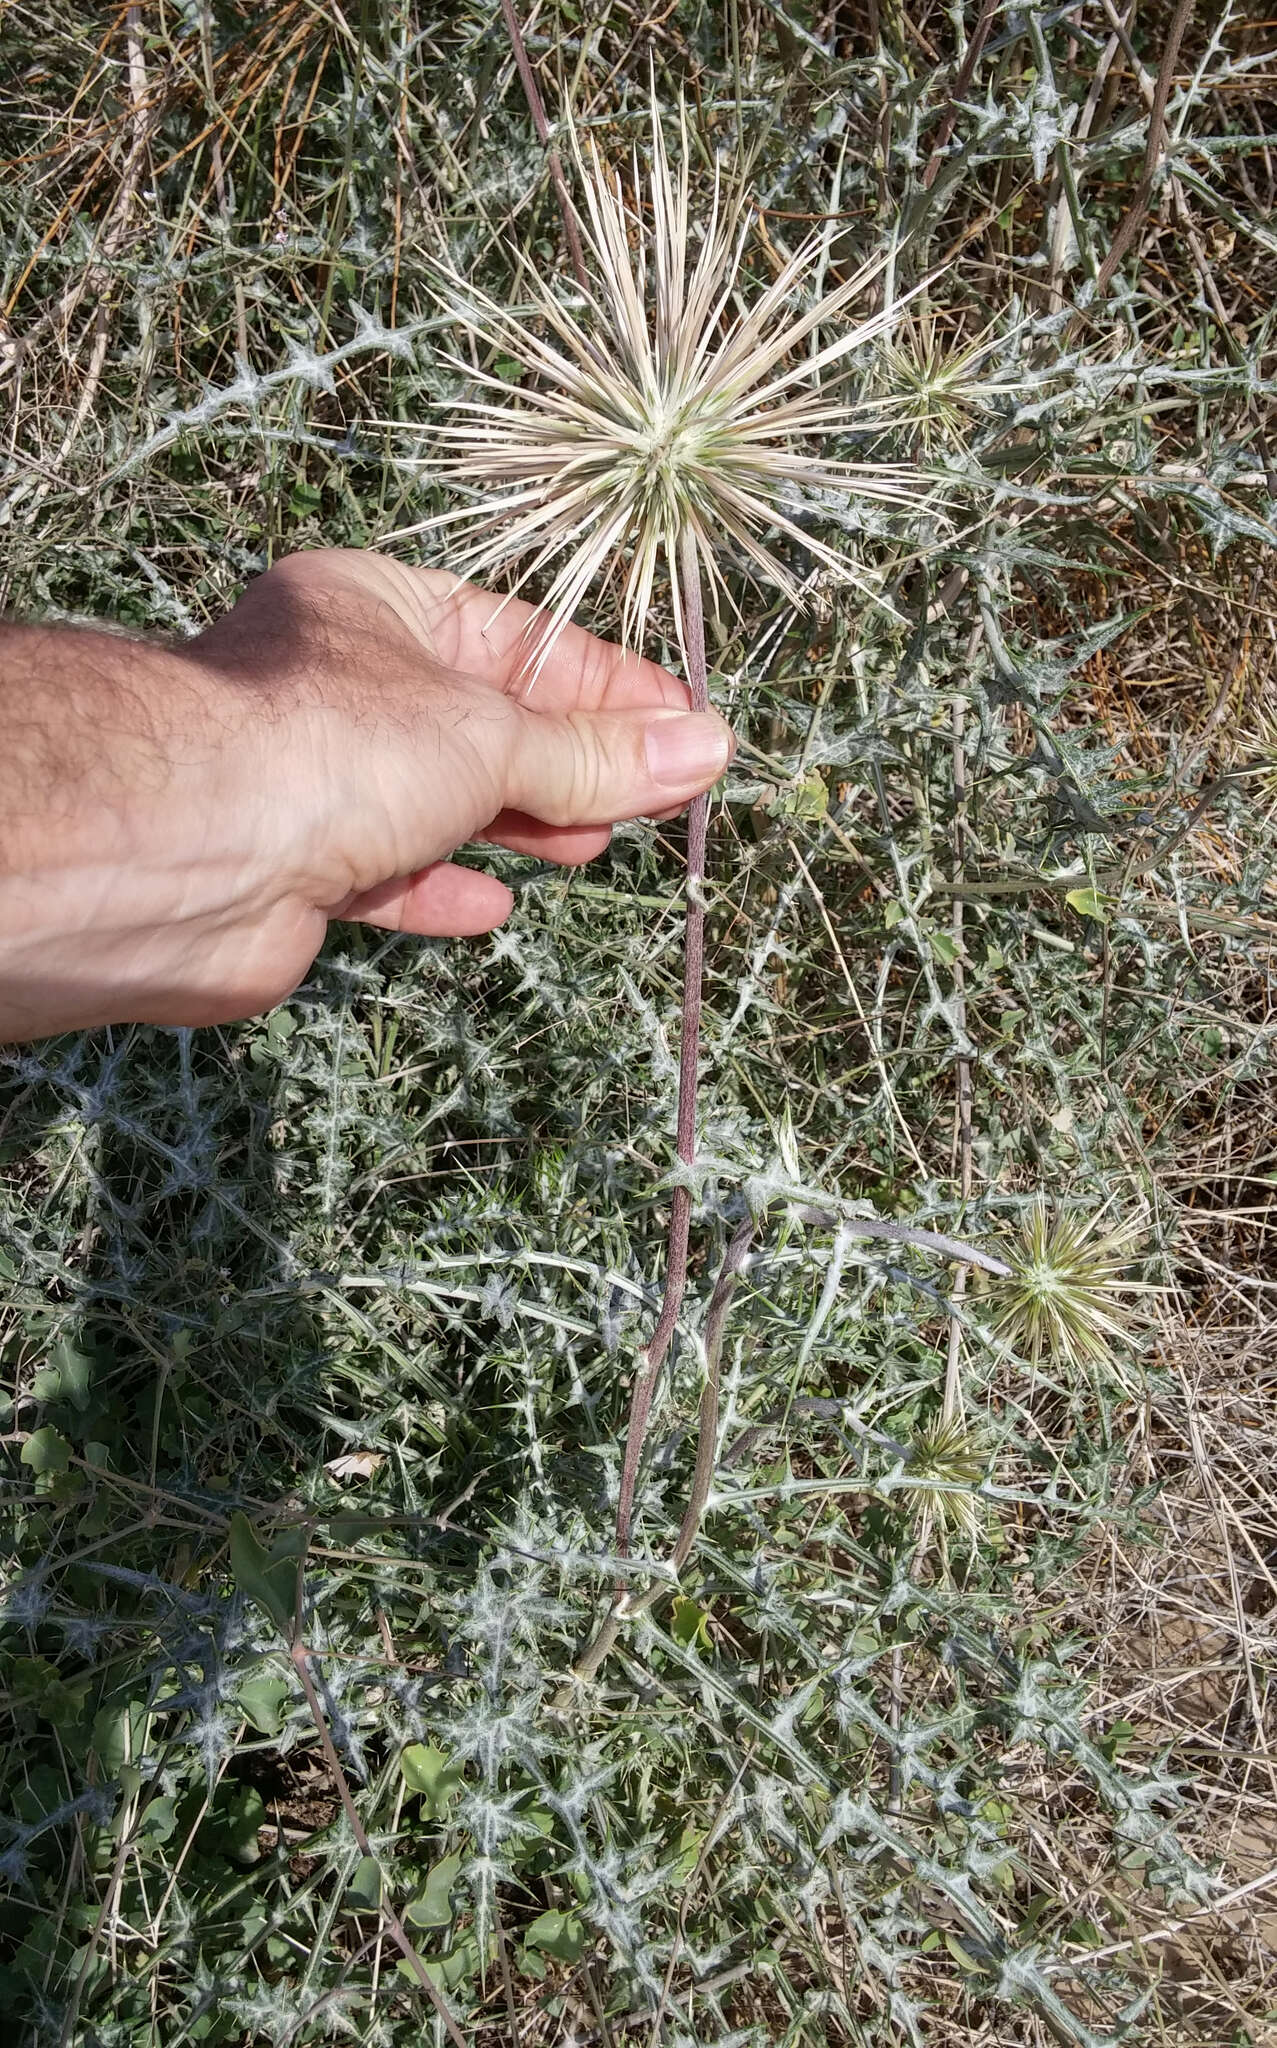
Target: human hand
[(317, 753)]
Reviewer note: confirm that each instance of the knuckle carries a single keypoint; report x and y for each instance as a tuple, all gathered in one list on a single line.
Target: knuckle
[(584, 784), (306, 565), (592, 771)]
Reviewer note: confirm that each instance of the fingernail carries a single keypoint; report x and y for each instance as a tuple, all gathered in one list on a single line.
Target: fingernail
[(687, 747)]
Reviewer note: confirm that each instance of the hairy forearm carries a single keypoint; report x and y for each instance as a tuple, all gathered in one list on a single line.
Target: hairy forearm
[(81, 714), (111, 775)]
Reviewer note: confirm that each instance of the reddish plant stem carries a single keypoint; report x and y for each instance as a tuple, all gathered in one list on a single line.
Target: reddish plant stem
[(1136, 214), (961, 87), (689, 596), (536, 107), (602, 1642), (693, 619)]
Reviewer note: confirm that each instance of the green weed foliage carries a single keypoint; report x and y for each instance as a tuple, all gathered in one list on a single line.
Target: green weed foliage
[(318, 1331)]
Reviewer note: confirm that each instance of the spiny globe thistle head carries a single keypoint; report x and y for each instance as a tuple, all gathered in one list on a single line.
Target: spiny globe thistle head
[(950, 1455), (940, 386), (672, 399), (1069, 1291)]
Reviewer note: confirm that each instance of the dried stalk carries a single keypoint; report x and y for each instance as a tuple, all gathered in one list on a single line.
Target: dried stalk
[(1137, 212), (707, 1428), (625, 1606), (952, 1405), (536, 107), (692, 609), (961, 87), (693, 617)]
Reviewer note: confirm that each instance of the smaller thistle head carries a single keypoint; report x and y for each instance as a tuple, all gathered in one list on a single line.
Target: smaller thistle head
[(948, 1451), (1068, 1296), (675, 410), (940, 389)]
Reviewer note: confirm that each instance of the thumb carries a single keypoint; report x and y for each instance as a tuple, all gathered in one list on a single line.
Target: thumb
[(597, 767)]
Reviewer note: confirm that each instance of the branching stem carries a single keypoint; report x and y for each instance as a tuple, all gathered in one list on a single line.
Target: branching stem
[(627, 1607)]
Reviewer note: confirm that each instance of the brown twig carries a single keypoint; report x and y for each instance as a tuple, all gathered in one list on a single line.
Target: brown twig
[(626, 1608), (536, 107), (694, 945), (707, 1428), (1133, 219), (961, 84)]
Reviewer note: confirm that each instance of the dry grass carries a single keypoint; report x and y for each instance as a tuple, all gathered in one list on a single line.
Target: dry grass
[(224, 1227)]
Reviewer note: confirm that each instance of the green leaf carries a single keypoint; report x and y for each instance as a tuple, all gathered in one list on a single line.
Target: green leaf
[(961, 1956), (263, 1699), (363, 1893), (119, 1735), (689, 1849), (430, 1774), (539, 1822), (1033, 1913), (689, 1624), (433, 1906), (556, 1934), (39, 1687), (158, 1822), (892, 914), (46, 1450), (534, 1850), (1116, 1740), (1087, 903), (268, 1577), (1085, 1933), (449, 1973), (305, 498), (235, 1821), (944, 947), (808, 798), (66, 1377), (40, 1793)]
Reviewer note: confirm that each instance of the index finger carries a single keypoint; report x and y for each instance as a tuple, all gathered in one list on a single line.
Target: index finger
[(496, 639)]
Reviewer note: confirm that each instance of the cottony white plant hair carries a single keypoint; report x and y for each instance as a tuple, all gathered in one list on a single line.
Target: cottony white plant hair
[(672, 404)]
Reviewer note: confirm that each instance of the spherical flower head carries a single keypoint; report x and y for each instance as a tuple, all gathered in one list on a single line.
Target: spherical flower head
[(671, 401), (1069, 1295)]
